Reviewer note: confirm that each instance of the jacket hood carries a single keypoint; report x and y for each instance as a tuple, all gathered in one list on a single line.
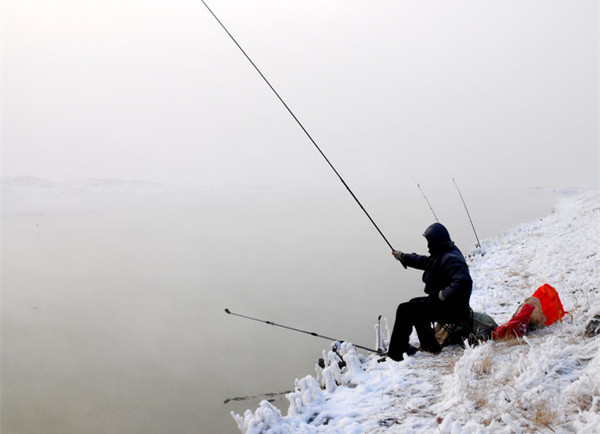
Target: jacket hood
[(438, 238)]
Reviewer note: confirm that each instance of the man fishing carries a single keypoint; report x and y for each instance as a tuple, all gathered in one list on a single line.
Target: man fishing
[(448, 286)]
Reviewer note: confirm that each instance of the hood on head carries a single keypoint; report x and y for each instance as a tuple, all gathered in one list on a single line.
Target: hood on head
[(437, 237)]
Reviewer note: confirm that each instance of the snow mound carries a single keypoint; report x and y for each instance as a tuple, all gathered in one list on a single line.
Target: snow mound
[(548, 381)]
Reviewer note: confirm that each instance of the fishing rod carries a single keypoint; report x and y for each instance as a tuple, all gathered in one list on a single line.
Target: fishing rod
[(296, 330), (270, 395), (466, 209), (426, 200), (298, 122)]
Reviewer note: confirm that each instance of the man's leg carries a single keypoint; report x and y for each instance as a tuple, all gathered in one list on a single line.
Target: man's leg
[(435, 311), (407, 315), (426, 335), (419, 312)]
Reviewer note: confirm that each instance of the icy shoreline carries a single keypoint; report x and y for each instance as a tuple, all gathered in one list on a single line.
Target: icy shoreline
[(549, 380)]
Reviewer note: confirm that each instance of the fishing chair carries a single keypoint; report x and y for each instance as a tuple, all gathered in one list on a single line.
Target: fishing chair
[(455, 332)]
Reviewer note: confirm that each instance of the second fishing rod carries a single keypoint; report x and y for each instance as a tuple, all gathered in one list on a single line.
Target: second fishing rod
[(316, 335), (478, 245), (299, 124)]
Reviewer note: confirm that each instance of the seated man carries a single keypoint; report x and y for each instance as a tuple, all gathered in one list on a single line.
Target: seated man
[(448, 286)]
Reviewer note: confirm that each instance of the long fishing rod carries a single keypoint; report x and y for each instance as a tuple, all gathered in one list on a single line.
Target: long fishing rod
[(269, 395), (295, 329), (467, 210), (299, 123), (427, 200)]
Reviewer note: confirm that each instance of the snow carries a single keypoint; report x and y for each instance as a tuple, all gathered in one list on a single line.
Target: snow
[(547, 381)]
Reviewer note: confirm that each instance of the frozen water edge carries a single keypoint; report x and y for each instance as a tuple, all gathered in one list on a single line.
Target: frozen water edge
[(548, 381)]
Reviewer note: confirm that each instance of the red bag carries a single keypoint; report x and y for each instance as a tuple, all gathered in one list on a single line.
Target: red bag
[(517, 326), (551, 304)]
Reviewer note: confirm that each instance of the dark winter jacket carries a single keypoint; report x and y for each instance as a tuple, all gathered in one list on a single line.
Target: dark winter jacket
[(445, 269)]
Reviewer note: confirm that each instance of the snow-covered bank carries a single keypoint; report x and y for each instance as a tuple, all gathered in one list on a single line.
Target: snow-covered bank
[(547, 381)]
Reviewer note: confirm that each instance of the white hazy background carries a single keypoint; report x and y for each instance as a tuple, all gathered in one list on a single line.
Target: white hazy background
[(157, 91), (113, 291)]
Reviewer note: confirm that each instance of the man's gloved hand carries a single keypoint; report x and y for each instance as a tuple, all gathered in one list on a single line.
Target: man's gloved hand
[(399, 255), (436, 295)]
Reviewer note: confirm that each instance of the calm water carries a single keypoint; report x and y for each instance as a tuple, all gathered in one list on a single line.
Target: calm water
[(113, 298)]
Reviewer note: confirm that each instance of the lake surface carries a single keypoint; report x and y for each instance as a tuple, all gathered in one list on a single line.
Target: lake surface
[(113, 295)]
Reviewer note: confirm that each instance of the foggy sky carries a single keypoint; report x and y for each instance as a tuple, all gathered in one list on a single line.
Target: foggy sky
[(134, 89)]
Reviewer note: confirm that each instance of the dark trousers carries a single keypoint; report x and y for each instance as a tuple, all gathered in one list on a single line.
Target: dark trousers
[(419, 313)]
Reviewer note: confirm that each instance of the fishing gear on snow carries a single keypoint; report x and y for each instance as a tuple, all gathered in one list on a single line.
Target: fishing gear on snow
[(299, 123), (296, 330), (379, 338)]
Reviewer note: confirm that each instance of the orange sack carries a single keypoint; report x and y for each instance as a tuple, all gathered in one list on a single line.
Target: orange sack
[(551, 304), (517, 326)]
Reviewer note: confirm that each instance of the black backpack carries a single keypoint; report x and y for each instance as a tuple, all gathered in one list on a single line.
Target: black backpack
[(476, 329)]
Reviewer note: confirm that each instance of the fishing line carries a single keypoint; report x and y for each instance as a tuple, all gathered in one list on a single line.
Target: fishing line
[(466, 209), (298, 122)]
